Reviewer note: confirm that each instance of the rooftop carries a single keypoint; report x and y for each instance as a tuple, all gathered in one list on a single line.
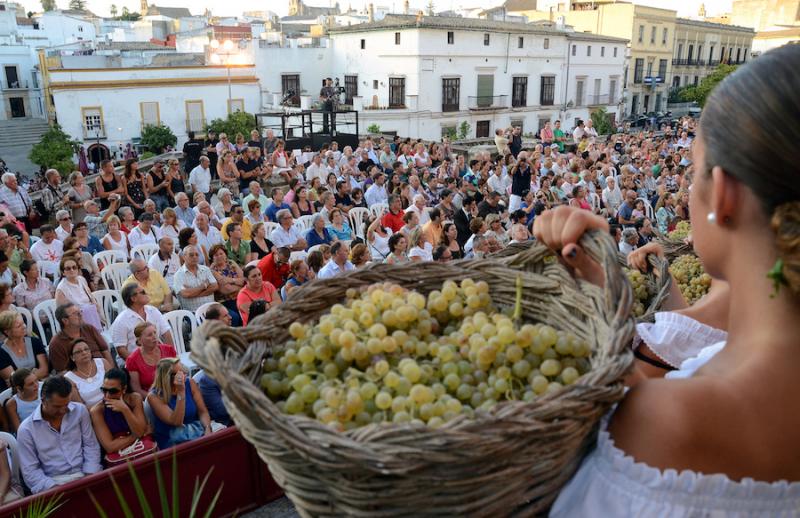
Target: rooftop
[(590, 36), (701, 23), (398, 21), (132, 45), (169, 12)]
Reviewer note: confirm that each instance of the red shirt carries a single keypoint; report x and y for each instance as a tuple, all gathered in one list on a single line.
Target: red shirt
[(267, 294), (393, 221), (147, 373), (275, 276)]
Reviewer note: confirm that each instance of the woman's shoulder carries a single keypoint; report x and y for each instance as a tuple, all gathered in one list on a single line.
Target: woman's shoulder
[(167, 351)]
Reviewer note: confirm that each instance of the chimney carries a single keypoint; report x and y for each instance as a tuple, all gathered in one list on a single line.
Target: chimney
[(405, 7), (371, 12)]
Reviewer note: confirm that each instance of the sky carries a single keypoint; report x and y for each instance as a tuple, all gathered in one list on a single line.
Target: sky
[(235, 7)]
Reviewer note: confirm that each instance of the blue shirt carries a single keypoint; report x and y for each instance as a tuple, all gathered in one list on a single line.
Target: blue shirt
[(94, 246), (343, 235), (273, 210), (212, 397), (186, 215), (312, 238), (161, 430), (45, 452)]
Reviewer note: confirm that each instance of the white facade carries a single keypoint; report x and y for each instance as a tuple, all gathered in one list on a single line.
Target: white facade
[(117, 103), (60, 28), (487, 77)]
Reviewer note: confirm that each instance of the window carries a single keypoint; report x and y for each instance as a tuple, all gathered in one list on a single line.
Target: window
[(710, 54), (615, 51), (588, 50), (638, 70), (290, 83), (574, 49), (547, 93), (195, 116), (397, 92), (649, 69), (374, 84), (612, 91), (450, 37), (722, 55), (520, 42), (602, 52), (235, 105), (641, 33), (451, 93), (80, 28), (93, 126), (396, 39), (680, 50), (547, 43), (690, 54), (696, 80), (150, 114), (664, 36), (486, 39), (482, 129), (350, 89), (653, 35), (363, 44), (676, 81), (744, 55), (519, 92), (662, 68), (579, 92), (699, 52), (659, 100), (485, 97), (12, 76), (598, 85), (739, 55)]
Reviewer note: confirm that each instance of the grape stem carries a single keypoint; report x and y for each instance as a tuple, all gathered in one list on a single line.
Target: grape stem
[(518, 302)]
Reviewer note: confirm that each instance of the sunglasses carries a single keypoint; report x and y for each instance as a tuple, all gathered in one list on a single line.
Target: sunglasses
[(111, 391), (66, 219), (70, 268)]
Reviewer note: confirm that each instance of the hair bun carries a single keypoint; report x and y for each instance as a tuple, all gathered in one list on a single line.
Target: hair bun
[(786, 224)]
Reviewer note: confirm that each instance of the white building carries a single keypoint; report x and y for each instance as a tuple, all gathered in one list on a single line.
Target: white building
[(425, 77)]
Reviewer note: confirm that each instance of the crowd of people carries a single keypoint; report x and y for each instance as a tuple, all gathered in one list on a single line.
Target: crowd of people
[(241, 225)]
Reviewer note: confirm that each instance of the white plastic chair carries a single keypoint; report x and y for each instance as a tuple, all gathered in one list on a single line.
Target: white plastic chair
[(12, 447), (298, 255), (356, 216), (299, 226), (200, 313), (314, 248), (175, 320), (378, 209), (48, 307), (145, 251), (5, 396), (106, 257), (269, 226), (648, 209), (594, 200), (26, 316), (308, 221), (49, 268), (114, 275), (110, 301)]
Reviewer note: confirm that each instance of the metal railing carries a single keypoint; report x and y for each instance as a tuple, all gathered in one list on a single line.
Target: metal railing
[(16, 85), (487, 102), (599, 100), (94, 133)]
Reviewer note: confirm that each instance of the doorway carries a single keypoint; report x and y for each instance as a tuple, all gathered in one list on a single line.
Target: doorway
[(97, 153), (17, 107), (646, 106), (12, 77)]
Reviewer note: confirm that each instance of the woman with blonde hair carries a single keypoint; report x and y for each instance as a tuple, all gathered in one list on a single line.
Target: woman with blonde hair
[(171, 225), (79, 192), (228, 173), (179, 412), (18, 350), (115, 239), (141, 363)]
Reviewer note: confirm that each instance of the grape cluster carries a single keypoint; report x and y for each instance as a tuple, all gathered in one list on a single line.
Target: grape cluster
[(641, 291), (681, 232), (392, 355), (692, 279)]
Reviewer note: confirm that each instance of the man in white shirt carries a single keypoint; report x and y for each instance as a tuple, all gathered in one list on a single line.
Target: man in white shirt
[(144, 232), (49, 249), (166, 261), (256, 194), (338, 263), (64, 228), (419, 206), (376, 193), (578, 132), (499, 181), (416, 187), (589, 130), (194, 283), (207, 235), (200, 177), (316, 170), (137, 311), (287, 235)]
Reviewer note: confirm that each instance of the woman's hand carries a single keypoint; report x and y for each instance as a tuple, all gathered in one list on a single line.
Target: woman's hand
[(180, 381), (638, 258), (117, 405), (561, 228)]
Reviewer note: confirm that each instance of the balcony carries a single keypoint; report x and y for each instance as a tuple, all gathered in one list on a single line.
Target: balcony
[(487, 102), (599, 100), (16, 85), (94, 132), (680, 62)]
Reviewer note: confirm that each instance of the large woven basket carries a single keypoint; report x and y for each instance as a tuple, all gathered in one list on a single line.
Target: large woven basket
[(512, 460), (674, 248)]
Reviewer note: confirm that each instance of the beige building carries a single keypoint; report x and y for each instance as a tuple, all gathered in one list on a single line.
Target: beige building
[(765, 14), (701, 46), (650, 32)]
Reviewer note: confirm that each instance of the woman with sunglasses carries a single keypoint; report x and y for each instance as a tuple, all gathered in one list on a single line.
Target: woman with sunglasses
[(74, 288), (118, 418), (180, 414), (85, 373)]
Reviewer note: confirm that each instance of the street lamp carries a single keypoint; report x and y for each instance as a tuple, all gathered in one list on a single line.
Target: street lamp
[(227, 49)]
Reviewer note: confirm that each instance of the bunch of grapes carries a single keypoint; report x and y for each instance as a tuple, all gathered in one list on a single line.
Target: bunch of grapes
[(681, 232), (641, 291), (692, 279), (392, 355)]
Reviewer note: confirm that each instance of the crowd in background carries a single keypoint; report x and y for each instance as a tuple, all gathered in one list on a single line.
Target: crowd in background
[(237, 227)]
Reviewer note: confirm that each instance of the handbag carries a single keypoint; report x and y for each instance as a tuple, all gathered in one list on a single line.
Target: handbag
[(142, 446)]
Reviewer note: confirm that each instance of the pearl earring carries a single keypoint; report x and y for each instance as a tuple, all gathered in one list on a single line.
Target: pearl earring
[(712, 218)]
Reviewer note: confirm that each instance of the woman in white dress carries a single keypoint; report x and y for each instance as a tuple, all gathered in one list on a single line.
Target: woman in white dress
[(116, 240), (74, 288), (85, 373), (721, 436)]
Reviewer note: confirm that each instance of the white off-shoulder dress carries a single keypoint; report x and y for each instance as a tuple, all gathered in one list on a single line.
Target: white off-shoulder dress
[(611, 483)]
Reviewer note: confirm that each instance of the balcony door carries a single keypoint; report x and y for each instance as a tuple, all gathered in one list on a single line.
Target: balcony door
[(485, 90)]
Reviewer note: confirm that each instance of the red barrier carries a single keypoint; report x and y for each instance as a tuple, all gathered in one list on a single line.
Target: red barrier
[(246, 482)]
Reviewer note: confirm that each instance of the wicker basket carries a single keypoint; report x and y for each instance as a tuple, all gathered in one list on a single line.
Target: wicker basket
[(511, 460), (674, 248)]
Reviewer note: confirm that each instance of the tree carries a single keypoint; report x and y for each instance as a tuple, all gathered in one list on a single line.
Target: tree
[(77, 5), (373, 128), (157, 138), (128, 16), (48, 5), (601, 121), (113, 10), (700, 93), (237, 122), (54, 150), (431, 8), (463, 130)]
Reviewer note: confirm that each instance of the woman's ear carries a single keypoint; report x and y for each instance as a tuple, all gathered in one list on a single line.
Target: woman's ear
[(725, 195)]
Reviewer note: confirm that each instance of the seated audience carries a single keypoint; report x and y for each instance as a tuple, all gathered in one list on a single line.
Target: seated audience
[(118, 419), (275, 266), (287, 235), (85, 373), (137, 310), (339, 263), (25, 399), (74, 288), (194, 283), (255, 289), (17, 350), (154, 284), (73, 327), (142, 362), (230, 280), (166, 261)]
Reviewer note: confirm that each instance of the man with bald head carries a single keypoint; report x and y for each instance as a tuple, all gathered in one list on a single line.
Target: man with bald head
[(207, 235)]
